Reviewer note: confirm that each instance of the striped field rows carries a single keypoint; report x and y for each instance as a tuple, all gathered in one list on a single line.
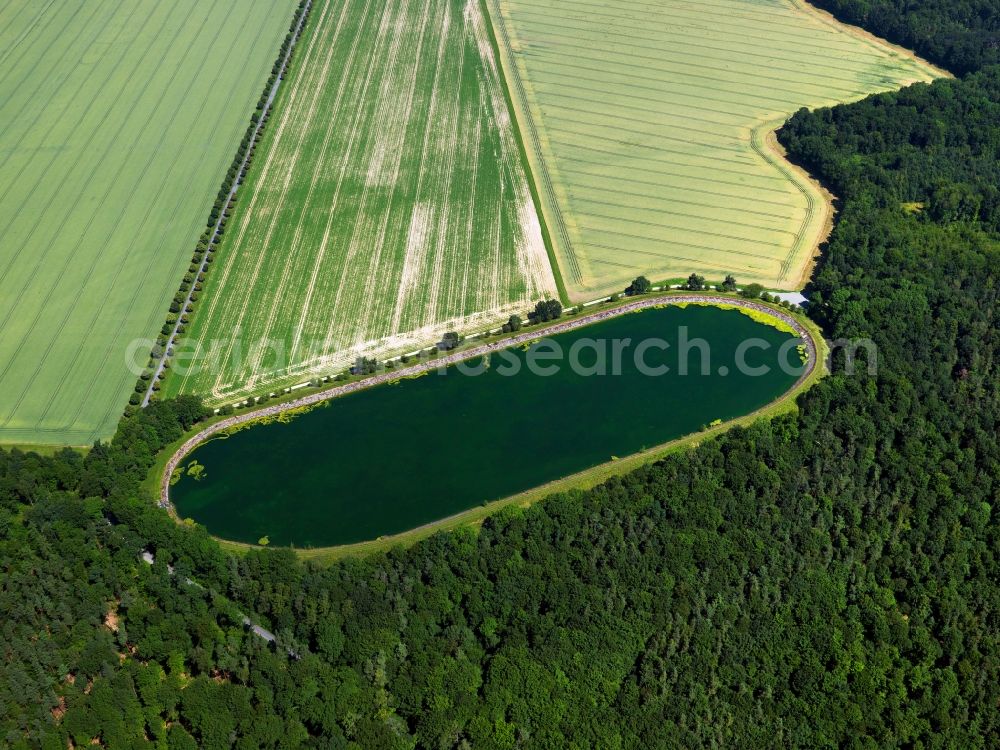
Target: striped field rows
[(117, 123), (647, 125), (387, 204)]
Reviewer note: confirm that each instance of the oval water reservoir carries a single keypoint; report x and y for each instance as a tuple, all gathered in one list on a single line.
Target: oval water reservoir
[(389, 459)]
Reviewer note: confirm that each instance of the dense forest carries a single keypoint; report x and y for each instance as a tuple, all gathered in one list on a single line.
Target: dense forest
[(934, 144), (824, 579)]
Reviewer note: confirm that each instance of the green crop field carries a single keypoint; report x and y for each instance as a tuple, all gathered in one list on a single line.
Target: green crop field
[(648, 126), (117, 124), (388, 203)]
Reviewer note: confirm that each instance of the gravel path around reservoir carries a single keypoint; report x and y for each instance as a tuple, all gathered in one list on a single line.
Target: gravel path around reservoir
[(478, 351)]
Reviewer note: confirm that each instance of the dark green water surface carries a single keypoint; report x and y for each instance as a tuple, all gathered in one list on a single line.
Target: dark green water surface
[(402, 455)]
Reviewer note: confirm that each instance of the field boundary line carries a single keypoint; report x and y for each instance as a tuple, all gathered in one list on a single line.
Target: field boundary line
[(548, 204), (534, 190), (817, 205)]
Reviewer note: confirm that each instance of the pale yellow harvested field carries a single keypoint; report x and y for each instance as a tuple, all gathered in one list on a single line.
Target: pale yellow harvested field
[(647, 126)]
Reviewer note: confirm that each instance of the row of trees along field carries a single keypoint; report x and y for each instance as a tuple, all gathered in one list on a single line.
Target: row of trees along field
[(182, 306), (828, 578)]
